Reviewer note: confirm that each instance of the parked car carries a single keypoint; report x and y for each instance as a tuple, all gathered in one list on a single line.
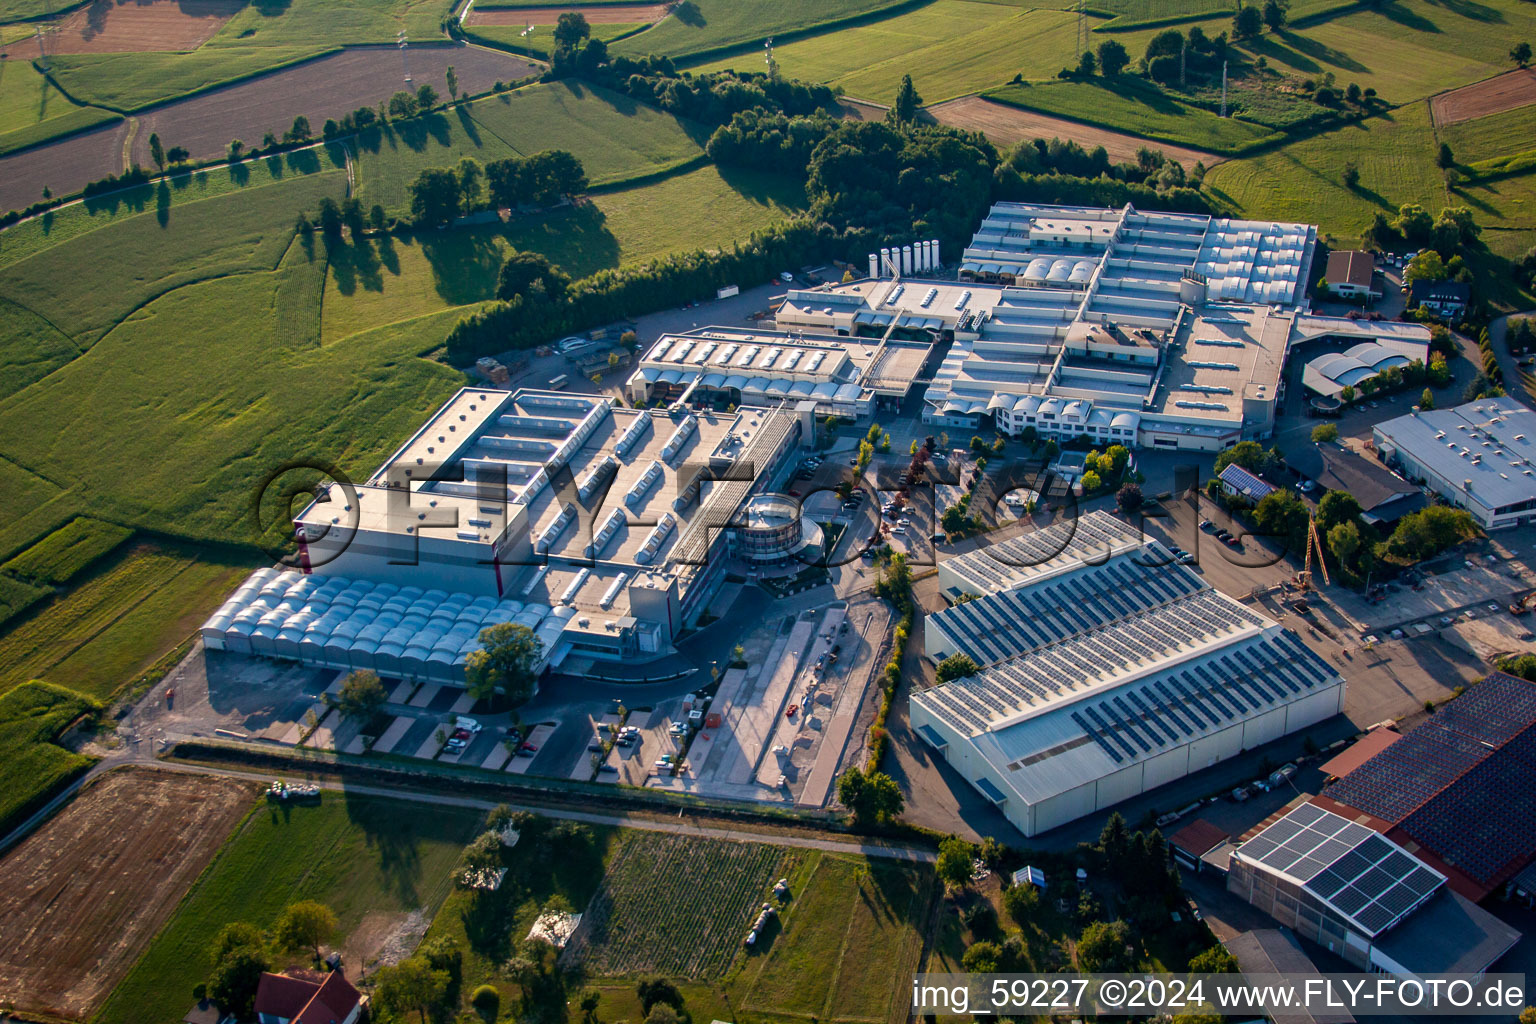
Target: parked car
[(1207, 526)]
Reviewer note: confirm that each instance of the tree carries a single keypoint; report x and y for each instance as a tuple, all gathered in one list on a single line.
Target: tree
[(1216, 960), (1427, 400), (233, 981), (1248, 454), (156, 152), (661, 1013), (1352, 93), (1325, 433), (1344, 542), (453, 84), (1021, 902), (231, 937), (1247, 22), (1092, 482), (426, 97), (904, 110), (177, 155), (410, 985), (1426, 266), (1129, 498), (376, 217), (402, 105), (654, 992), (330, 218), (955, 862), (982, 958), (571, 29), (1445, 158), (956, 666), (1115, 839), (1351, 174), (1520, 53), (1274, 15), (1336, 507), (236, 147), (435, 197), (361, 697), (871, 796), (1087, 64), (1101, 947), (305, 925), (299, 131), (1112, 58), (521, 271), (1051, 449), (504, 663), (1347, 393)]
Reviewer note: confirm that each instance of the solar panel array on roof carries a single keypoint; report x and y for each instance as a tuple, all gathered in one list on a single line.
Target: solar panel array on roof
[(1464, 784), (1362, 877), (1013, 622), (1010, 562)]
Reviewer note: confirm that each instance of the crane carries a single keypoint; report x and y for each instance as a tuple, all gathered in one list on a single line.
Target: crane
[(1304, 580)]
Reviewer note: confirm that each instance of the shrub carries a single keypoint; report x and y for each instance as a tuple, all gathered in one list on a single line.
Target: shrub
[(487, 1001)]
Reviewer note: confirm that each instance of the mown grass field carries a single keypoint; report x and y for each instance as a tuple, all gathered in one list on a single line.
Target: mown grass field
[(16, 596), (67, 551), (117, 621), (731, 23), (32, 109), (614, 137), (357, 855), (1304, 180), (1406, 50), (1494, 135), (542, 40), (32, 766), (1137, 109), (950, 48), (131, 81), (302, 22), (384, 281)]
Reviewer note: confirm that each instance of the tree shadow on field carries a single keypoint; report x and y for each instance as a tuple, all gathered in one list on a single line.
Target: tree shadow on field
[(1276, 53), (1323, 52), (762, 187), (239, 173), (135, 199), (1407, 18), (385, 246), (163, 204), (304, 161), (577, 239), (355, 266), (468, 126), (897, 886), (464, 264), (419, 131), (275, 165), (396, 840), (271, 8), (1473, 10)]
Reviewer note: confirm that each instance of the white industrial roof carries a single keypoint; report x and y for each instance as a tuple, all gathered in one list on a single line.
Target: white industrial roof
[(1491, 441)]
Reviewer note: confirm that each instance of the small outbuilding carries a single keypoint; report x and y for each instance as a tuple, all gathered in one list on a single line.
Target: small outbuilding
[(1351, 274)]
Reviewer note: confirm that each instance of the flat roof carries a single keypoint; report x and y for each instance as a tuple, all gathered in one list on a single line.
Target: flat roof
[(1359, 752), (1491, 442)]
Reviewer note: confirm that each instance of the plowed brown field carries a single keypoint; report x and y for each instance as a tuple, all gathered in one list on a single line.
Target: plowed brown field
[(110, 27), (1502, 92)]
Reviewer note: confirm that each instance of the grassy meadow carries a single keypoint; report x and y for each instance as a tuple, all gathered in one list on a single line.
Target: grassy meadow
[(67, 551), (1138, 110), (1494, 135), (32, 109), (723, 24), (32, 765), (363, 857), (542, 40), (614, 137), (1304, 180), (133, 81), (117, 621)]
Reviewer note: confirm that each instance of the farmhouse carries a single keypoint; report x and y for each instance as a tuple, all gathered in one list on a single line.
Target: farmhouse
[(1477, 456), (1107, 670), (604, 530), (1352, 274), (308, 999), (1364, 897)]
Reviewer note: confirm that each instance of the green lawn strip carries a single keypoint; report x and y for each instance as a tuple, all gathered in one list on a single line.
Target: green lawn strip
[(67, 551), (1303, 181), (541, 41), (883, 941), (1495, 145), (130, 82), (57, 226), (722, 25), (32, 766), (298, 23), (86, 285), (16, 596), (800, 966), (358, 855), (615, 138), (1133, 14), (1138, 109)]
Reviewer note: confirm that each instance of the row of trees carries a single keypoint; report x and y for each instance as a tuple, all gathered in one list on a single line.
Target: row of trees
[(439, 195), (241, 952)]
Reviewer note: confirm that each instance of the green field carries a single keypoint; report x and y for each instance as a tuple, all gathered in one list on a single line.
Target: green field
[(132, 81), (360, 856), (849, 938), (723, 24), (1137, 109), (388, 280), (17, 596), (1495, 135), (1304, 180), (614, 137), (542, 41), (67, 551), (1407, 50), (32, 109), (32, 766), (630, 928), (950, 47), (116, 622)]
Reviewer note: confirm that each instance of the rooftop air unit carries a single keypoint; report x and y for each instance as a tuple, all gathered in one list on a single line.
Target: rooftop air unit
[(612, 593)]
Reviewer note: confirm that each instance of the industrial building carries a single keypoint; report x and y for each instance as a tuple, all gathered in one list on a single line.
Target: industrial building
[(1358, 894), (1476, 456), (1107, 669), (1459, 788), (1145, 329), (1384, 496), (603, 529), (1330, 373)]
